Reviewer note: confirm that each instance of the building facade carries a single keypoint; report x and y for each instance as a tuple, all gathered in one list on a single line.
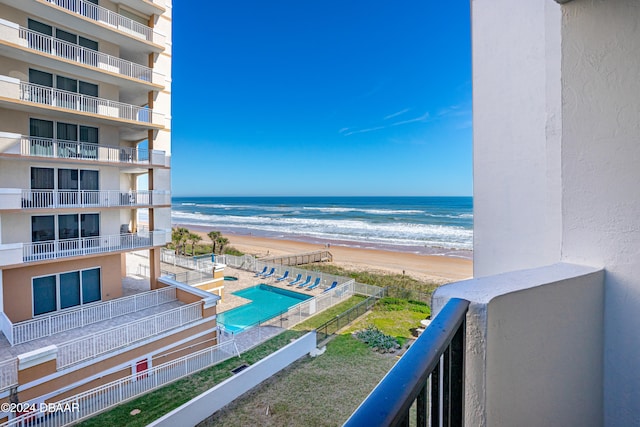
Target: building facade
[(85, 146)]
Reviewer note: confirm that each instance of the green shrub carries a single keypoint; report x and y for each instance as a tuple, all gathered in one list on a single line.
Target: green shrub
[(230, 250), (377, 340)]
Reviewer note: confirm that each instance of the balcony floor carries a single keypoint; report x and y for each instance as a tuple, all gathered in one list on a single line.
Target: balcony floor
[(130, 285)]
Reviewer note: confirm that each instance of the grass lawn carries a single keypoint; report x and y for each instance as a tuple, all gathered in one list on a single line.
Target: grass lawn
[(159, 402), (321, 391), (393, 317)]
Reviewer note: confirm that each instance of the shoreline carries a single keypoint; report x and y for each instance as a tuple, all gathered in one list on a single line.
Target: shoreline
[(439, 268), (405, 249)]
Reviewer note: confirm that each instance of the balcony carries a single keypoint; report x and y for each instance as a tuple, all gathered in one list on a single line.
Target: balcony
[(156, 314), (18, 253), (427, 383), (21, 199), (39, 44), (149, 7), (29, 146), (88, 314), (14, 89), (533, 347), (110, 18)]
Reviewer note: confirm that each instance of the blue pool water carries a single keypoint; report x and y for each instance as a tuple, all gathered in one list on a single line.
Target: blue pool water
[(266, 302)]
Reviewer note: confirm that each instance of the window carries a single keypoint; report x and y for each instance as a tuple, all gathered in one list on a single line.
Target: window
[(45, 45), (42, 228), (66, 290), (91, 286), (67, 134), (40, 78), (44, 295), (69, 289), (42, 179), (63, 99), (70, 227), (74, 185)]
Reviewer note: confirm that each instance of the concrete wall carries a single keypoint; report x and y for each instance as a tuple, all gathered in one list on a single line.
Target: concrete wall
[(516, 142), (534, 346), (601, 173), (557, 181), (201, 407)]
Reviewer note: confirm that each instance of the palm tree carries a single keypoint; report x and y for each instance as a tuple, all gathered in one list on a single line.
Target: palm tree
[(175, 239), (214, 236), (194, 238), (221, 242), (179, 238)]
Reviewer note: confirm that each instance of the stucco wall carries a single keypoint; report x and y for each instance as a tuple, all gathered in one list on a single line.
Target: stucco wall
[(534, 346), (17, 282), (516, 141), (601, 170)]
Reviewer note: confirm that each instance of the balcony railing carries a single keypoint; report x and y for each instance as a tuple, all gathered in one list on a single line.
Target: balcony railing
[(60, 149), (98, 399), (49, 44), (47, 325), (8, 373), (106, 16), (429, 377), (55, 249), (92, 346), (79, 102), (47, 199)]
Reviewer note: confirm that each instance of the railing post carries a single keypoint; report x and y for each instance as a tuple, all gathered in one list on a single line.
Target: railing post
[(436, 397), (457, 377)]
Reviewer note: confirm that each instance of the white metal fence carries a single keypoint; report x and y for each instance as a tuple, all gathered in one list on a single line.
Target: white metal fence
[(86, 315), (300, 311), (199, 263), (92, 346), (55, 148), (190, 277), (93, 198), (79, 102), (8, 373), (100, 398), (101, 14), (49, 44), (54, 249)]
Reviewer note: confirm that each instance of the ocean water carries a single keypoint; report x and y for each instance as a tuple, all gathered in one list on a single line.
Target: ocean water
[(425, 225)]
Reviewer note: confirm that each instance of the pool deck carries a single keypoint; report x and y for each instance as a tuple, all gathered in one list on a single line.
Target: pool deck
[(247, 279)]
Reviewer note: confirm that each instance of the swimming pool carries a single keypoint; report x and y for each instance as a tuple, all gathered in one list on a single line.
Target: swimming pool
[(266, 302)]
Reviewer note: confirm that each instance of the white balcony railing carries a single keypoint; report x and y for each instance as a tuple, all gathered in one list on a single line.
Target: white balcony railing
[(8, 373), (79, 102), (98, 399), (55, 249), (112, 339), (45, 199), (47, 325), (55, 148), (60, 48), (106, 16)]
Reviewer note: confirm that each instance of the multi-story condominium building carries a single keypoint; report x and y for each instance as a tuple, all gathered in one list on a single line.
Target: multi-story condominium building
[(85, 135)]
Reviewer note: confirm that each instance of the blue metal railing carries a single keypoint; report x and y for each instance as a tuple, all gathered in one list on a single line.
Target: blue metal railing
[(429, 375)]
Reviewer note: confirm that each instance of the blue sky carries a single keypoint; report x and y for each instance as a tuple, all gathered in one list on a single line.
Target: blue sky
[(321, 98)]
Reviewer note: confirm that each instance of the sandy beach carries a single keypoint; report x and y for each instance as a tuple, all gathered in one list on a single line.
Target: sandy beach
[(438, 269)]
